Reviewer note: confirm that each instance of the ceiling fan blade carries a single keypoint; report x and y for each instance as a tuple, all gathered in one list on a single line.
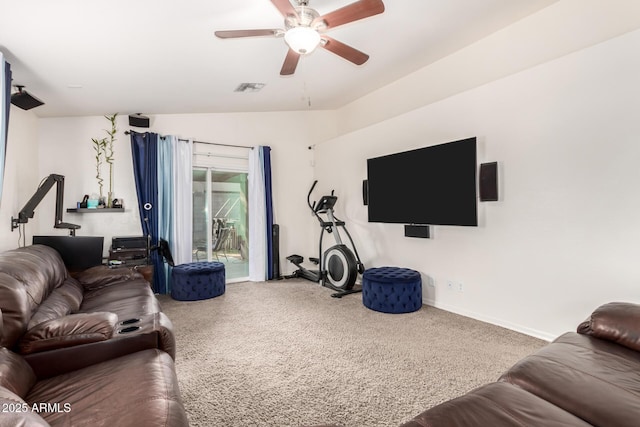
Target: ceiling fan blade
[(232, 34), (285, 7), (290, 63), (347, 52), (353, 12)]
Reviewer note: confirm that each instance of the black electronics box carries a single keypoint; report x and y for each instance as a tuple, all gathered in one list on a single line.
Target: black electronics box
[(421, 231), (124, 243), (126, 255)]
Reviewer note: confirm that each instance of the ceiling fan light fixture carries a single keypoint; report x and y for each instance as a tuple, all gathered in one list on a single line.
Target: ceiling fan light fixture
[(302, 40)]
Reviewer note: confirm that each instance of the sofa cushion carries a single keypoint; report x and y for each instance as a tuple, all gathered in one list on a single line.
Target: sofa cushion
[(139, 389), (54, 307), (15, 307), (127, 299), (73, 291), (596, 380), (39, 268), (27, 277), (17, 412), (67, 331), (63, 300), (15, 374), (496, 405), (617, 321), (100, 276)]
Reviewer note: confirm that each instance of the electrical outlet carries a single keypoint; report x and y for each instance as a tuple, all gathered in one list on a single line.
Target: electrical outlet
[(460, 287), (430, 282)]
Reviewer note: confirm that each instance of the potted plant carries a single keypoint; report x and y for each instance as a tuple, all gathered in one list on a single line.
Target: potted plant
[(105, 152)]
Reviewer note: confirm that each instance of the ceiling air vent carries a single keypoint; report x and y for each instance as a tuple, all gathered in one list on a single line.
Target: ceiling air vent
[(249, 87)]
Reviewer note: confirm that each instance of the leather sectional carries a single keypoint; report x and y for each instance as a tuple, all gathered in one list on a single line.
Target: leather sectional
[(93, 349), (588, 378)]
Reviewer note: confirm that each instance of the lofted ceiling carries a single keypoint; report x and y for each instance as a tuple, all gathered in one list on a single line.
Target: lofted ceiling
[(161, 57)]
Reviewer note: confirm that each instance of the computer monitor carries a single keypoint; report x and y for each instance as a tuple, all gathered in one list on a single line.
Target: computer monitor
[(77, 252)]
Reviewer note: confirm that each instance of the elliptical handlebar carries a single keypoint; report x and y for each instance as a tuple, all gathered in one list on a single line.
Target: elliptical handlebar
[(323, 205), (311, 206), (314, 205)]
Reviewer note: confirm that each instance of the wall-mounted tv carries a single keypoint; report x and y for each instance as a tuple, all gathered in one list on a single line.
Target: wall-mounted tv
[(431, 185)]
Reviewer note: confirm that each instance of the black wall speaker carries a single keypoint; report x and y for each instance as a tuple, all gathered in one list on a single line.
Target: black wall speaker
[(25, 101), (421, 231), (138, 121), (365, 192), (489, 182)]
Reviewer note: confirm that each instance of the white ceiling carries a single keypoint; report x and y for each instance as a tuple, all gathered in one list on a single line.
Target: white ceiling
[(160, 56)]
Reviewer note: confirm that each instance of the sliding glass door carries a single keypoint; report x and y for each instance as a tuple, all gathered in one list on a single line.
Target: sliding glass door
[(220, 220)]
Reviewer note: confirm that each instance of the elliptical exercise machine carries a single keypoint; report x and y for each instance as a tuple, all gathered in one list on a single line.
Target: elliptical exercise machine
[(338, 265)]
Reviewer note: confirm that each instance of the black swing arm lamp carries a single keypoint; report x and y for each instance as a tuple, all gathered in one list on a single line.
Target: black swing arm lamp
[(28, 210)]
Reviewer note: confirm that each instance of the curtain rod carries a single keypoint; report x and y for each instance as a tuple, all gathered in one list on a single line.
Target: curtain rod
[(127, 132), (217, 143)]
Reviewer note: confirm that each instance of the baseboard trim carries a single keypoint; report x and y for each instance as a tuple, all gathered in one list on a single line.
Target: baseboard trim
[(492, 320)]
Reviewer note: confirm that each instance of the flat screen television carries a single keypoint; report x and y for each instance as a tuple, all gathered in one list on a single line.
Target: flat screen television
[(431, 185)]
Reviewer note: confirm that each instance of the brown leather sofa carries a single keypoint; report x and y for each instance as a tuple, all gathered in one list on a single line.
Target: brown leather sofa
[(588, 378), (55, 320), (138, 389), (94, 349)]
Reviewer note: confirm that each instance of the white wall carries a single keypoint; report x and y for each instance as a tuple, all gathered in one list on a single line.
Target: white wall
[(565, 235), (65, 147), (552, 32), (21, 176)]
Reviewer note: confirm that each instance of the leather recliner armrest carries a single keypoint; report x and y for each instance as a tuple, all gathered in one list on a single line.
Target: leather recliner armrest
[(166, 337), (618, 322), (153, 331), (67, 331)]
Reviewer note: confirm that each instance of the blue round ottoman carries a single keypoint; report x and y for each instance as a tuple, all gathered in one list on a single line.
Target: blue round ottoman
[(392, 289), (197, 280)]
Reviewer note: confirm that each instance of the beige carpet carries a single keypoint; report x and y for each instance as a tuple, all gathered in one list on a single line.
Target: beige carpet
[(285, 353)]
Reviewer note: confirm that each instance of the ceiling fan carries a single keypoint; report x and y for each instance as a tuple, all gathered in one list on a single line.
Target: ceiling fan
[(304, 30)]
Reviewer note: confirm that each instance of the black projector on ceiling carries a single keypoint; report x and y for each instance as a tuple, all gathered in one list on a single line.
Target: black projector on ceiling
[(24, 100)]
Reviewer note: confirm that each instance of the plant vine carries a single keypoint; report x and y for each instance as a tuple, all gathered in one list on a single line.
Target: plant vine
[(109, 152), (99, 146)]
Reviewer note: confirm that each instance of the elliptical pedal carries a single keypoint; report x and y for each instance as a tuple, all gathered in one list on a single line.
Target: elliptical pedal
[(314, 260)]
